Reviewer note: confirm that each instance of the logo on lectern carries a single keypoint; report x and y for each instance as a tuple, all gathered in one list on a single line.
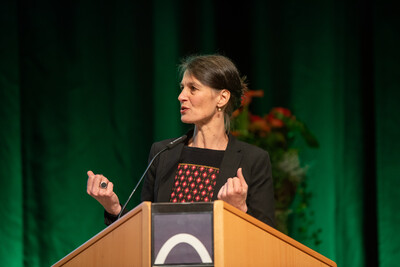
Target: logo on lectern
[(184, 238)]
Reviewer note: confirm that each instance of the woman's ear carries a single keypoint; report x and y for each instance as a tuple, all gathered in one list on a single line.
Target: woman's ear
[(224, 97)]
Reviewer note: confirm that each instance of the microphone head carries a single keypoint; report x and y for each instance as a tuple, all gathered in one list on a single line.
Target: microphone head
[(177, 141)]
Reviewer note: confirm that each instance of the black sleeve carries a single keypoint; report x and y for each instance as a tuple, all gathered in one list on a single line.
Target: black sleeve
[(149, 180), (109, 218), (260, 197)]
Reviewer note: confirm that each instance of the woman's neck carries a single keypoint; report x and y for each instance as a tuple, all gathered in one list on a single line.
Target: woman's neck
[(210, 138)]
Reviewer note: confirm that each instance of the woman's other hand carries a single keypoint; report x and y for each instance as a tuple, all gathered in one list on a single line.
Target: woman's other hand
[(234, 191), (103, 194)]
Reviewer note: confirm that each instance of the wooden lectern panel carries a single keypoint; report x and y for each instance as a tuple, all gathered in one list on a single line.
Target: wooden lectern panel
[(241, 240), (124, 243)]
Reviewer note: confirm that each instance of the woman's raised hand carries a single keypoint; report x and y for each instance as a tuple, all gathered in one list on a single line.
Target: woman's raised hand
[(100, 188), (234, 191)]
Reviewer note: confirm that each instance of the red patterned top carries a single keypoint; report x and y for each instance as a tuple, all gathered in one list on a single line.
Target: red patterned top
[(196, 175)]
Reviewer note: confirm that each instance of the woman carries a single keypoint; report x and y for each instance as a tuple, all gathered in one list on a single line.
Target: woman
[(212, 164)]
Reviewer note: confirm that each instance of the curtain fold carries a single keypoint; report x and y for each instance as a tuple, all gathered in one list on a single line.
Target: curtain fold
[(11, 197), (387, 95)]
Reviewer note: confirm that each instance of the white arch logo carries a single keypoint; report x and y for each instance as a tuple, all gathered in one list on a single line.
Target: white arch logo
[(183, 238)]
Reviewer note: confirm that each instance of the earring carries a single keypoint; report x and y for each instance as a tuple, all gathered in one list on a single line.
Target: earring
[(219, 109)]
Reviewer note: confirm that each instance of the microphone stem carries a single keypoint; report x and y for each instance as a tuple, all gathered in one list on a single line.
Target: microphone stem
[(140, 180), (169, 146)]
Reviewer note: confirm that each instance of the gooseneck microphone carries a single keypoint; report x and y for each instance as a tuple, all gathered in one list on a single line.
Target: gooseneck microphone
[(167, 147)]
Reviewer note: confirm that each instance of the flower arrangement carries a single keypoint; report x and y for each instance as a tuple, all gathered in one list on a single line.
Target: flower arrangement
[(276, 132)]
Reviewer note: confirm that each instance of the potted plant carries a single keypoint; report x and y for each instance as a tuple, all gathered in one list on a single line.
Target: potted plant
[(276, 132)]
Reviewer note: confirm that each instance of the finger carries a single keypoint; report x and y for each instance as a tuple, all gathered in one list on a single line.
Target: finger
[(103, 179), (110, 188), (90, 182), (229, 186), (237, 186), (241, 177), (221, 192), (106, 192), (96, 184), (90, 175)]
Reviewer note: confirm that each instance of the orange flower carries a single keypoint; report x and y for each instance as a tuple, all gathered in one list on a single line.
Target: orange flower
[(247, 97), (236, 113), (255, 118), (274, 122), (284, 111), (258, 124)]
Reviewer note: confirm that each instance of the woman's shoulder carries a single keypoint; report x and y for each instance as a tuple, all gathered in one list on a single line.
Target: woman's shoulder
[(251, 155), (247, 148)]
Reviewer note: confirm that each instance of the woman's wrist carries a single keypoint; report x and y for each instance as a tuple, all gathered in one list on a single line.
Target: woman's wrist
[(114, 210)]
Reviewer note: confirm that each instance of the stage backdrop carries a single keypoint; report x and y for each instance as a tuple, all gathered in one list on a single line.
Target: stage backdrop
[(89, 85)]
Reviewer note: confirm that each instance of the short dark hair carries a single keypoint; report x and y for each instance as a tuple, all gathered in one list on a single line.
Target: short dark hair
[(217, 72)]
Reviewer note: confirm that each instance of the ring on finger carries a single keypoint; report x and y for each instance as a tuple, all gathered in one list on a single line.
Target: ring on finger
[(103, 185)]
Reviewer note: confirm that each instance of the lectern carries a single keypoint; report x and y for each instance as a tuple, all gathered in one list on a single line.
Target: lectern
[(195, 234)]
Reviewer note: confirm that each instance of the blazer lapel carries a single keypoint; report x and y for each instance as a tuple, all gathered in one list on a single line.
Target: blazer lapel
[(229, 166), (167, 169)]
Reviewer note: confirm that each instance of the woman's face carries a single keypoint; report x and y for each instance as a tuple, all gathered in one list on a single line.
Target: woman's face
[(198, 102)]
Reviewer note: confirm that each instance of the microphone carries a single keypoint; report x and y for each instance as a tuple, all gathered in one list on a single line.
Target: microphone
[(170, 145), (176, 141)]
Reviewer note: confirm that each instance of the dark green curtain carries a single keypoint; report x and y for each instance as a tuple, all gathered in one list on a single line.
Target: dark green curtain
[(89, 85)]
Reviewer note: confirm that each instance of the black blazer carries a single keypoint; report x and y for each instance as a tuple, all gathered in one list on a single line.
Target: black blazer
[(254, 162)]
